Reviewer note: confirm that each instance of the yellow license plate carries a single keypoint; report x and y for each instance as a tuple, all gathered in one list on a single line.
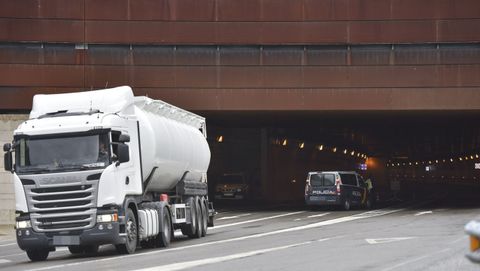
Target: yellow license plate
[(474, 243)]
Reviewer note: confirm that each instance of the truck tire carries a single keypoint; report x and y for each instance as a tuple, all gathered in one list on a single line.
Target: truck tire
[(198, 210), (36, 255), (191, 229), (165, 235), (204, 224), (132, 235)]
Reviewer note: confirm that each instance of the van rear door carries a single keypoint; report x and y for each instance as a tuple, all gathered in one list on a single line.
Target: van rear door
[(323, 187), (351, 189)]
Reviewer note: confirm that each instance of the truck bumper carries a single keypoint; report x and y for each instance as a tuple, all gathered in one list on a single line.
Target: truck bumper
[(323, 200), (101, 234)]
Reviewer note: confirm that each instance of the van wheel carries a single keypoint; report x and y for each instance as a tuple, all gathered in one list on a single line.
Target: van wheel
[(346, 205), (36, 255), (131, 230)]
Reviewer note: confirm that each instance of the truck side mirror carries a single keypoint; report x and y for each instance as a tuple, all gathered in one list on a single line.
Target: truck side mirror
[(124, 138), (7, 147), (123, 153), (7, 161)]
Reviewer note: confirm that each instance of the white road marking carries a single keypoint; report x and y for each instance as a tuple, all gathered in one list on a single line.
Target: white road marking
[(423, 213), (196, 263), (310, 226), (319, 215), (16, 254), (232, 217), (254, 220), (387, 240), (6, 245), (416, 259), (4, 261)]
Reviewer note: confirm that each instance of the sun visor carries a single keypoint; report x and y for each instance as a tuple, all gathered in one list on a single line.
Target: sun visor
[(113, 100)]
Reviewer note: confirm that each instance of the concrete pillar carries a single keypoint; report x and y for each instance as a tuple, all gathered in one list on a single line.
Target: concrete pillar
[(8, 123)]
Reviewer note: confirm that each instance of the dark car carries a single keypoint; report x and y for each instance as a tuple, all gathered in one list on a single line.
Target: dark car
[(341, 188), (232, 186)]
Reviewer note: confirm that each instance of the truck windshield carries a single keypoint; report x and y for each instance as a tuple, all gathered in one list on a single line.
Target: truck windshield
[(62, 153)]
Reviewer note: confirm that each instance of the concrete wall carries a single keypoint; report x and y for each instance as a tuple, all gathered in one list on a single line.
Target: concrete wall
[(8, 123)]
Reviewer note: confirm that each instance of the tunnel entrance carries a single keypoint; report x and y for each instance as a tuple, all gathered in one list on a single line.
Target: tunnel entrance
[(408, 154)]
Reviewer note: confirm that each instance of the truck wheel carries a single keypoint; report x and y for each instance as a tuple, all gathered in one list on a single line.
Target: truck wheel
[(36, 255), (165, 236), (190, 230), (198, 210), (131, 231), (204, 217)]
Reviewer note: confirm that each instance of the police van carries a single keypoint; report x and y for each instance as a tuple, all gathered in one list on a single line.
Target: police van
[(336, 188)]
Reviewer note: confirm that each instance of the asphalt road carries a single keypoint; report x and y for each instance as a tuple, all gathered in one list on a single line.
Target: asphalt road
[(412, 236)]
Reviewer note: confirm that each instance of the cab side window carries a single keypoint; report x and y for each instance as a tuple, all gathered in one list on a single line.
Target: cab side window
[(115, 137)]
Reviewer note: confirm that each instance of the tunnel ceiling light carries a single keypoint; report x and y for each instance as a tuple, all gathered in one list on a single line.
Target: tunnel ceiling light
[(461, 159), (301, 145), (284, 142), (409, 163), (430, 162), (320, 148), (416, 163), (471, 157), (220, 139), (466, 157), (476, 155), (352, 153), (345, 151), (334, 149), (436, 161), (444, 160), (451, 159), (358, 154)]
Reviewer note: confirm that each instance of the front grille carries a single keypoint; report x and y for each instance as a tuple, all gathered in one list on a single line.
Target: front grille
[(62, 207)]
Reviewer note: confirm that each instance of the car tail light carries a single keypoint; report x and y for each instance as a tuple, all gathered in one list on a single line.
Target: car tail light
[(338, 182)]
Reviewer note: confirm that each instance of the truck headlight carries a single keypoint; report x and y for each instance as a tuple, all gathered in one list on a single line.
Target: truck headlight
[(107, 218), (23, 224)]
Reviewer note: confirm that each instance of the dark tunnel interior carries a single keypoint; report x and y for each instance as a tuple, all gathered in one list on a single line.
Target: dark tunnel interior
[(409, 155)]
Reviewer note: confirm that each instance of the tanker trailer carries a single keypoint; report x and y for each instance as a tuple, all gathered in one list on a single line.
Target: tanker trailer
[(105, 167)]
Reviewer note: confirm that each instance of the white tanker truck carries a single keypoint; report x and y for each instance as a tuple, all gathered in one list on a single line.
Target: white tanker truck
[(105, 167)]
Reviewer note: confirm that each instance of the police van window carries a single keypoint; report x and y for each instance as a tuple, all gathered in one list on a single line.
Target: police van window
[(348, 179), (328, 180), (316, 180)]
